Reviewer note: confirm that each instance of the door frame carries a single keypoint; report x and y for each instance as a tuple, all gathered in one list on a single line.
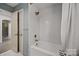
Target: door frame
[(18, 30)]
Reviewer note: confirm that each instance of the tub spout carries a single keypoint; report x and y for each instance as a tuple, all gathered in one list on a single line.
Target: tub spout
[(62, 53)]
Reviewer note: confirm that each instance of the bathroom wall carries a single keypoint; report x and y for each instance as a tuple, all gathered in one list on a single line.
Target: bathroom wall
[(50, 23), (25, 23), (33, 25), (6, 7), (47, 26), (50, 27)]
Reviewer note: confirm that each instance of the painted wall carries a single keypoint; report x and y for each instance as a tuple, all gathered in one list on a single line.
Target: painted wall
[(6, 7), (34, 23), (25, 28), (50, 23), (50, 27)]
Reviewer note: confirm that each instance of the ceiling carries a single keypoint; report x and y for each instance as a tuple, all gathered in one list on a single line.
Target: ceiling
[(12, 4)]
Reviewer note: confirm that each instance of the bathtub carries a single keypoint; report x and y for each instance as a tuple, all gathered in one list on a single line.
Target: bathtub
[(47, 49), (37, 51)]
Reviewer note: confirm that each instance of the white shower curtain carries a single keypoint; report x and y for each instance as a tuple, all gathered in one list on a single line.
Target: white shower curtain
[(70, 26)]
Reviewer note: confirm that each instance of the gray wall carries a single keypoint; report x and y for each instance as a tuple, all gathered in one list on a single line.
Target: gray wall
[(25, 35), (6, 7)]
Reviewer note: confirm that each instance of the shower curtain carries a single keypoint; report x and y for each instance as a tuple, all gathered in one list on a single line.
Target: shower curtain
[(70, 26)]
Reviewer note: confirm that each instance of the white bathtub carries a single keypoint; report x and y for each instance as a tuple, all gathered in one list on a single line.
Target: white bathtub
[(36, 51), (45, 50)]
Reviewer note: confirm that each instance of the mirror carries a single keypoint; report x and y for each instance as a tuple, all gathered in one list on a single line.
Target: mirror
[(5, 30)]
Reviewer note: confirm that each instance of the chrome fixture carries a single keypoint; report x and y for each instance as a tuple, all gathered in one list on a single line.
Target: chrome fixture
[(36, 12), (31, 3), (35, 40), (62, 53)]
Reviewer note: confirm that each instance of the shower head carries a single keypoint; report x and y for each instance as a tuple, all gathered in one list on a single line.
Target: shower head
[(37, 13), (31, 3)]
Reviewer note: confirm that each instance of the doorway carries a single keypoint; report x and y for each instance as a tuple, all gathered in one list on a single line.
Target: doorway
[(17, 31)]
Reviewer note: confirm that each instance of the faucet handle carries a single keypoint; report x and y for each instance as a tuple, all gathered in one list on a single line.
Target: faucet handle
[(36, 40), (62, 53)]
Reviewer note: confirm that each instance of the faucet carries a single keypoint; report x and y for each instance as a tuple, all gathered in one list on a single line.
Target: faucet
[(36, 40), (62, 53)]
